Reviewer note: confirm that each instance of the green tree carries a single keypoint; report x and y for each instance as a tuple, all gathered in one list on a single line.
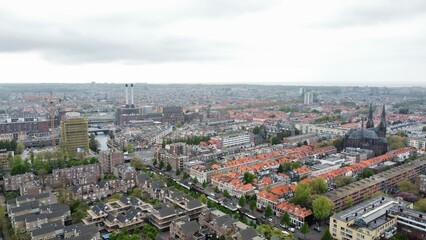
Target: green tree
[(338, 143), (301, 194), (421, 205), (366, 173), (252, 205), (129, 148), (399, 236), (248, 177), (185, 175), (93, 143), (304, 230), (256, 130), (343, 181), (203, 198), (216, 190), (168, 167), (195, 180), (395, 142), (327, 235), (150, 232), (177, 172), (349, 201), (424, 129), (407, 186), (136, 162), (268, 211), (204, 184), (155, 162), (226, 194), (274, 140), (161, 166), (322, 207), (319, 185), (242, 201), (280, 169), (20, 147), (286, 219)]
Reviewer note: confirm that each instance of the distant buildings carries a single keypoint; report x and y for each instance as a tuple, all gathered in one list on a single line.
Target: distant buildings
[(233, 140), (74, 134), (308, 98)]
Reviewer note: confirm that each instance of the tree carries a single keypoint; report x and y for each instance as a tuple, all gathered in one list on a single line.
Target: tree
[(137, 163), (20, 147), (161, 166), (136, 192), (421, 205), (274, 140), (195, 181), (322, 207), (168, 167), (268, 211), (256, 130), (93, 143), (301, 194), (203, 198), (149, 231), (366, 173), (204, 184), (155, 162), (286, 219), (407, 186), (129, 148), (319, 185), (252, 205), (216, 190), (349, 201), (242, 201), (177, 172), (226, 194), (395, 142), (338, 143), (304, 230), (280, 168), (327, 235), (248, 177), (185, 175), (342, 181), (399, 236)]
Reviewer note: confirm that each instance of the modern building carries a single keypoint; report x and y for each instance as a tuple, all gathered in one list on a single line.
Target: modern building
[(74, 134), (368, 220), (410, 222), (186, 230), (384, 181), (234, 140), (308, 98), (421, 183)]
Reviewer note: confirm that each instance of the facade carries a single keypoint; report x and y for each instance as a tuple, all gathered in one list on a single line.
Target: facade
[(186, 230), (12, 183), (410, 222), (74, 135), (74, 173), (4, 159), (368, 220), (235, 140), (421, 183), (109, 158), (17, 126)]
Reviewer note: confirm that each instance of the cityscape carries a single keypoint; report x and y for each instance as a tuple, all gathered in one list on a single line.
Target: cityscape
[(212, 120)]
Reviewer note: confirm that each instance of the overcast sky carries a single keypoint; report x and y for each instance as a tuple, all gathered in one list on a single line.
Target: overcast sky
[(328, 42)]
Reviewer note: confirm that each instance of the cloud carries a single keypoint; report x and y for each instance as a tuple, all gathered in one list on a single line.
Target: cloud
[(130, 38), (363, 13)]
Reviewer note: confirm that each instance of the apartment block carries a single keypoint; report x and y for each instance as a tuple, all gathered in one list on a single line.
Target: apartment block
[(12, 183), (109, 158)]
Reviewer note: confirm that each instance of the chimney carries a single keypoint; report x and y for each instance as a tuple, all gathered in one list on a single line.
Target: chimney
[(127, 95), (420, 215), (131, 94)]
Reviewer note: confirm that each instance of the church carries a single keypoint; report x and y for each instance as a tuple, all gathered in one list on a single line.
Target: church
[(370, 137)]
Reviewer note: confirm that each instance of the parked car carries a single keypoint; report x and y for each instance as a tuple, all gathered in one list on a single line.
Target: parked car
[(270, 219), (283, 226), (318, 229), (291, 230)]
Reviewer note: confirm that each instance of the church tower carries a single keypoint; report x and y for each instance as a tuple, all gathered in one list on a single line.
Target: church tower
[(370, 122), (382, 125)]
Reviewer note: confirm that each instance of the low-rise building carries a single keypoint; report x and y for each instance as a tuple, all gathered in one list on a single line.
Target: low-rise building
[(12, 183), (186, 230)]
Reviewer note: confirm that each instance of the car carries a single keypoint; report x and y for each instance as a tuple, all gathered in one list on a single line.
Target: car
[(318, 229), (291, 230), (283, 226), (270, 219)]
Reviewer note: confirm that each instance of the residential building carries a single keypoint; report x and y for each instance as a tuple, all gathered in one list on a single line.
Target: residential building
[(109, 158), (410, 222), (125, 172), (384, 181), (421, 183), (308, 98), (367, 220), (73, 173), (12, 183), (234, 140), (186, 230)]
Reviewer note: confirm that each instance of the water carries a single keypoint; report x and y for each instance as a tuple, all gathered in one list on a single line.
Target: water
[(102, 139)]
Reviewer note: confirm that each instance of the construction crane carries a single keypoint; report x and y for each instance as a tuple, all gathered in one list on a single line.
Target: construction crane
[(52, 120)]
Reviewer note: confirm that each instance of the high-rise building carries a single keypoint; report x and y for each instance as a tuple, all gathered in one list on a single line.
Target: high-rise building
[(110, 158), (309, 98), (74, 134)]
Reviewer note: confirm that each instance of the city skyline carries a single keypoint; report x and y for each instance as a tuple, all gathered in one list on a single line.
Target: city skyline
[(329, 43)]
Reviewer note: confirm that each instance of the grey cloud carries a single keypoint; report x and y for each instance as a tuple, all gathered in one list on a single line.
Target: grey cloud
[(377, 12), (87, 41)]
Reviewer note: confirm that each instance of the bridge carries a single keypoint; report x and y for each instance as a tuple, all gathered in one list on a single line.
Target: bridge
[(101, 130)]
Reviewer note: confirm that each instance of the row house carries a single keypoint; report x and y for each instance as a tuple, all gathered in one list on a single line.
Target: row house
[(164, 214), (215, 221), (18, 205), (73, 173), (123, 213), (154, 188), (186, 230), (298, 214), (103, 188), (12, 183), (30, 188), (232, 184), (125, 172), (191, 207)]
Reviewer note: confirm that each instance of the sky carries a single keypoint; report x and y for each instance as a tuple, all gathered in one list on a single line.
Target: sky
[(328, 42)]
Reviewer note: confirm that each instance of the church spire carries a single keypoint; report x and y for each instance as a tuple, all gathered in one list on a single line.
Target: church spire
[(382, 124), (370, 122)]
